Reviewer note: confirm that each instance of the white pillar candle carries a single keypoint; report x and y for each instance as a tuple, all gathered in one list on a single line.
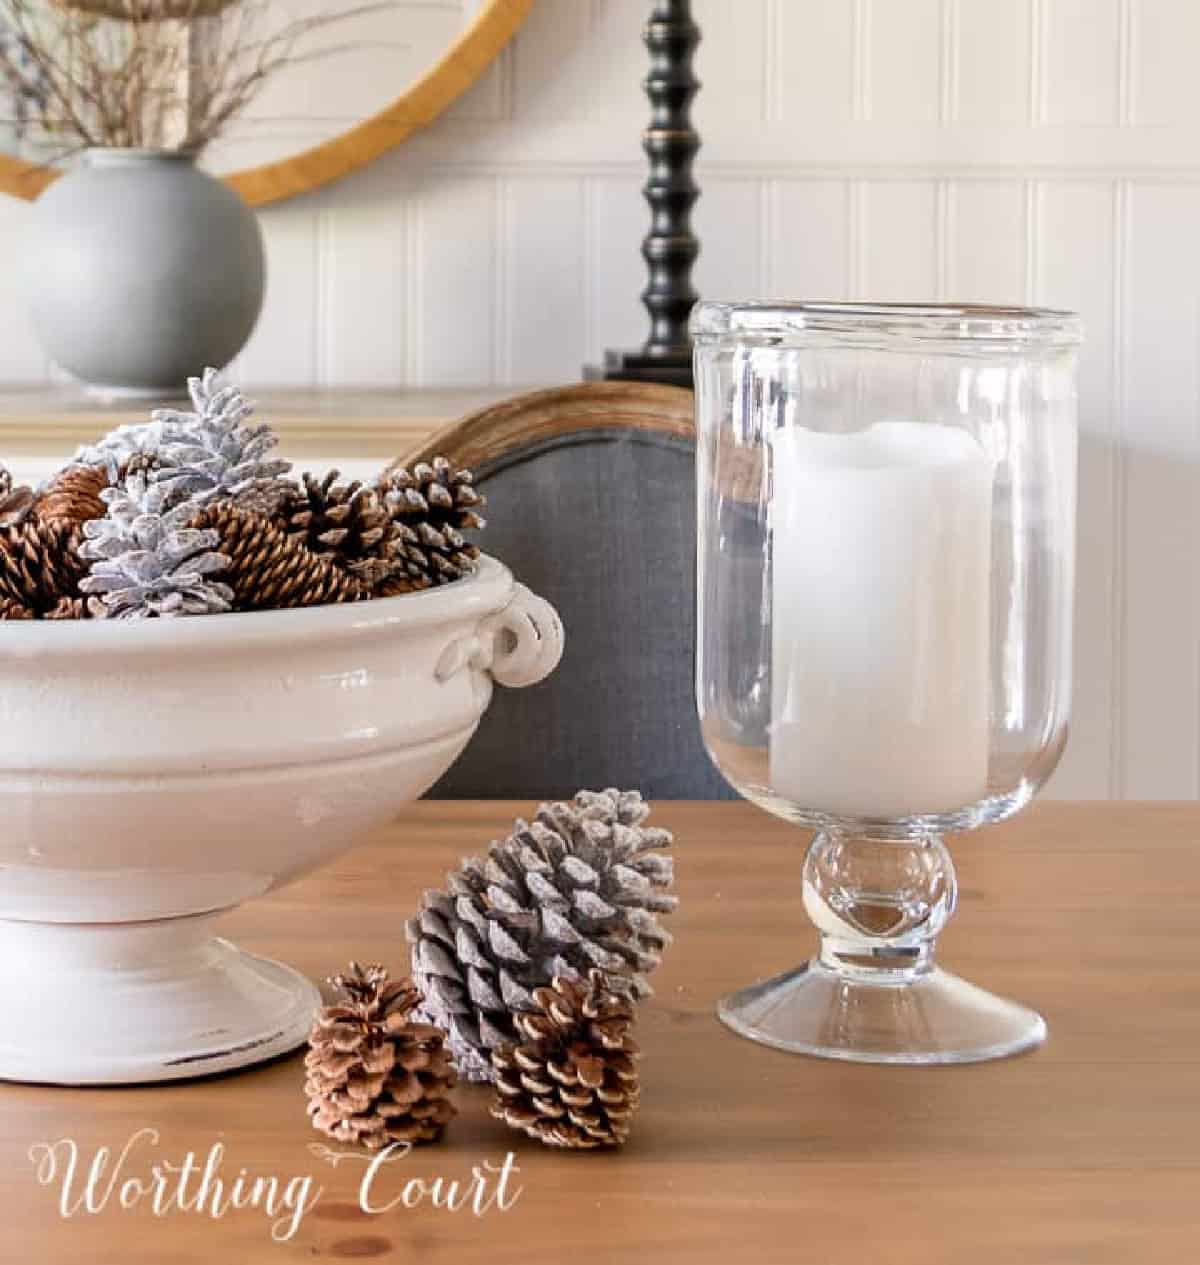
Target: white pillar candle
[(881, 578)]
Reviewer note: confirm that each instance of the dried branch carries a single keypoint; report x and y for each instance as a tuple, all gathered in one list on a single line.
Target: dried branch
[(162, 74)]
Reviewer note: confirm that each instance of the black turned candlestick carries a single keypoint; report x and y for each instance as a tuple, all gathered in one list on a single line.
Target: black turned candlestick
[(670, 248)]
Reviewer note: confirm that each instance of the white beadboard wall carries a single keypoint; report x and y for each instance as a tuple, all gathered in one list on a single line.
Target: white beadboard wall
[(1026, 150)]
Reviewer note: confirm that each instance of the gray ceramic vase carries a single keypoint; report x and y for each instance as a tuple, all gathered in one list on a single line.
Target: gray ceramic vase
[(142, 270)]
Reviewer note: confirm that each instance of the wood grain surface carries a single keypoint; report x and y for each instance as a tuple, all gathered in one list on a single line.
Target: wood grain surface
[(1083, 1153), (523, 422)]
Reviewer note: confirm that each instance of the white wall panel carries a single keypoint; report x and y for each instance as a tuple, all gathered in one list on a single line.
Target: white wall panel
[(991, 66), (365, 279), (814, 67), (1081, 61), (21, 358), (1160, 690), (987, 247), (616, 221), (731, 222), (542, 337), (1165, 39), (455, 227), (809, 251), (610, 79), (900, 248), (285, 346), (1077, 227), (737, 59), (906, 57), (550, 63)]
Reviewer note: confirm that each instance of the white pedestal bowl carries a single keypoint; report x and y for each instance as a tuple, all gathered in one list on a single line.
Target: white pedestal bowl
[(155, 774)]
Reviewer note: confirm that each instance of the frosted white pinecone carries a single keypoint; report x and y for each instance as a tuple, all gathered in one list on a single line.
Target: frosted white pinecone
[(580, 886), (209, 453), (212, 453), (115, 449), (146, 562)]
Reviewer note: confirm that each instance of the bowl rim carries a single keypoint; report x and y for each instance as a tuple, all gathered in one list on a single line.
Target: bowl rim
[(486, 590)]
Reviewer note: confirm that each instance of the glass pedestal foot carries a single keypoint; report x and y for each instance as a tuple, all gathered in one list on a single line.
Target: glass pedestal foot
[(934, 1017), (873, 993)]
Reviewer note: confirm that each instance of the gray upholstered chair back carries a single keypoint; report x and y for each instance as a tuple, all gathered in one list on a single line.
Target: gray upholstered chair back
[(599, 519)]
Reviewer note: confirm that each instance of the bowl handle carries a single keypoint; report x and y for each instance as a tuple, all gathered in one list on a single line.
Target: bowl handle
[(519, 645)]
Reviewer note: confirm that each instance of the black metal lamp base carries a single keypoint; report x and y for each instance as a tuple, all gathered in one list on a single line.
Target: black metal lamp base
[(636, 366), (670, 249)]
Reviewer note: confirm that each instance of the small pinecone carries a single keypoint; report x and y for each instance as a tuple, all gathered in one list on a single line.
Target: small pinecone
[(572, 1080), (430, 507), (268, 569), (40, 564), (73, 495), (15, 502), (374, 1075), (344, 521), (580, 886)]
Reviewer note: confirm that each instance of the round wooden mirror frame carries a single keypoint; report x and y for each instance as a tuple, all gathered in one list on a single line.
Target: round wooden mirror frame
[(438, 88)]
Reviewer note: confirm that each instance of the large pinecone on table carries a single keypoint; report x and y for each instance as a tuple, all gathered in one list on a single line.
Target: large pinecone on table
[(40, 564), (571, 1080), (267, 568), (73, 495), (344, 521), (430, 506), (580, 886), (375, 1076)]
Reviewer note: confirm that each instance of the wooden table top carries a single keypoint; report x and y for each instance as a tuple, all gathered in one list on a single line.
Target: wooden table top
[(1086, 1152)]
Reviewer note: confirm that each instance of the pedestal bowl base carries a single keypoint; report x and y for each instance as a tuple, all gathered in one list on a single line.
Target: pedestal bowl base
[(118, 1004), (927, 1018)]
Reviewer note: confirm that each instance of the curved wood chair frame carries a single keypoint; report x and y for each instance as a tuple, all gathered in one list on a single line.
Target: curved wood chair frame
[(458, 69), (486, 437)]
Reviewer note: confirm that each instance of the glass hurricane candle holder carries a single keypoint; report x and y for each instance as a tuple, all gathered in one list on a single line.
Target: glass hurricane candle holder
[(886, 569)]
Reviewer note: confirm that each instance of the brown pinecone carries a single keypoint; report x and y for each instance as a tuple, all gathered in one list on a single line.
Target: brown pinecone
[(433, 492), (14, 610), (69, 608), (374, 1076), (270, 570), (15, 502), (73, 495), (429, 508), (40, 563), (344, 521), (572, 1082)]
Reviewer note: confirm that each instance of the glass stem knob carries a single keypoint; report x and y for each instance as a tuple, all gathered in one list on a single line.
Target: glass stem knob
[(878, 904)]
